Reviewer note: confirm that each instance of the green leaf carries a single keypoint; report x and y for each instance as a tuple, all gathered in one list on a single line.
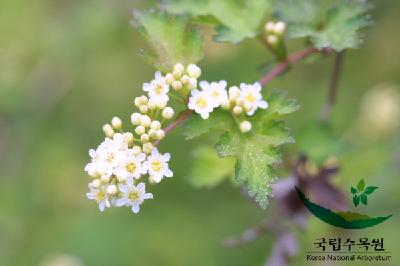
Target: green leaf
[(369, 190), (209, 170), (319, 141), (171, 38), (237, 20), (356, 200), (361, 185), (257, 151), (334, 24), (195, 126), (364, 199), (353, 190)]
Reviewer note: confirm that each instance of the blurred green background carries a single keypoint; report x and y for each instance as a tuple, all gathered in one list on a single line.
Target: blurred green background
[(68, 66)]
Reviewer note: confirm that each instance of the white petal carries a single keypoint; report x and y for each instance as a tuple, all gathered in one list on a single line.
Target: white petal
[(154, 152), (121, 202), (141, 186), (148, 196), (135, 208), (263, 104), (204, 115), (168, 173), (101, 206), (141, 157), (204, 84), (165, 157)]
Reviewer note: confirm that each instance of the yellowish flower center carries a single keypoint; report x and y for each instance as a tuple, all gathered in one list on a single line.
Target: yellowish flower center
[(110, 157), (159, 89), (250, 98), (133, 195), (100, 196), (131, 167), (156, 166), (201, 102), (215, 94)]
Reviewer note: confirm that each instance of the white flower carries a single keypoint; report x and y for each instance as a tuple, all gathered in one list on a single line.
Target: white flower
[(216, 91), (100, 196), (133, 196), (130, 166), (159, 101), (201, 103), (157, 165), (157, 86), (251, 93), (107, 155)]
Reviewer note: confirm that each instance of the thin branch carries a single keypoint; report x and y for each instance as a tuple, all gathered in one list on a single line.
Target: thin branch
[(333, 87), (182, 117), (278, 69), (281, 67)]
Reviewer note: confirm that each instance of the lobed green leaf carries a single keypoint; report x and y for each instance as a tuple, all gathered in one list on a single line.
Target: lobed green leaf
[(333, 24), (171, 38), (235, 20)]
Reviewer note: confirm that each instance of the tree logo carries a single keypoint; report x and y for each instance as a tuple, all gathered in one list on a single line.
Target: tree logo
[(361, 193), (346, 220)]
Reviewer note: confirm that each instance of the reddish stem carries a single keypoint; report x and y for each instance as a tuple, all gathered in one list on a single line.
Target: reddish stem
[(278, 69), (282, 66)]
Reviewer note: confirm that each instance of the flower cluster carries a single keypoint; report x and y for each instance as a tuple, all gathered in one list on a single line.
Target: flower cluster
[(275, 31), (239, 101), (121, 161)]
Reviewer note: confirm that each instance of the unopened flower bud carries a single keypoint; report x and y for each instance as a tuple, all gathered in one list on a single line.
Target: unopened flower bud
[(178, 70), (155, 125), (140, 130), (116, 123), (147, 147), (279, 28), (153, 133), (245, 126), (135, 119), (108, 130), (234, 93), (193, 71), (144, 138), (143, 99), (160, 134), (143, 109), (269, 27), (185, 79), (177, 85), (192, 84), (169, 78), (167, 113), (272, 39), (145, 120), (136, 150), (128, 137), (237, 110), (137, 102)]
